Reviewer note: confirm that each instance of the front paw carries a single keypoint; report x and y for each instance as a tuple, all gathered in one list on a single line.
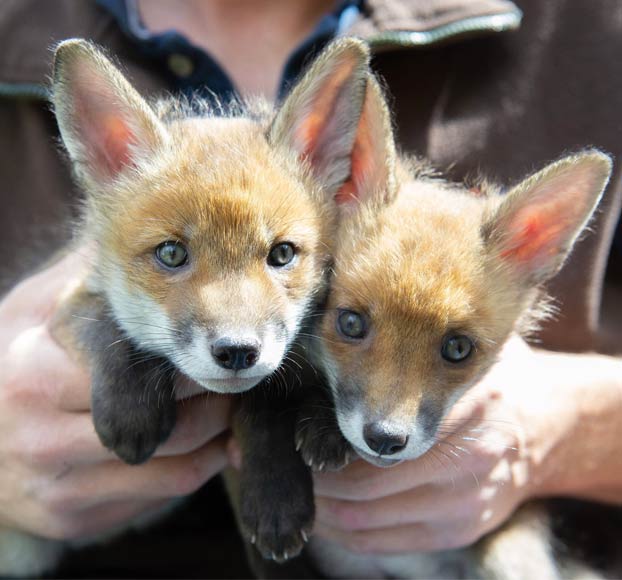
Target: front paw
[(277, 517), (134, 430), (321, 444)]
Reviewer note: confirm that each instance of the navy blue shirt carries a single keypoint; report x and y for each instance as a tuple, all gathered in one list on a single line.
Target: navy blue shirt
[(190, 70)]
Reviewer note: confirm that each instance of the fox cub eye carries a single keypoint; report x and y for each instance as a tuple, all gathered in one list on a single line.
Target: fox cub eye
[(351, 324), (281, 254), (172, 254), (456, 348)]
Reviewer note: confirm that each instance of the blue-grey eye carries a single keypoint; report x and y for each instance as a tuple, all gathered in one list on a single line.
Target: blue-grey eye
[(456, 348), (351, 324), (172, 254), (281, 254)]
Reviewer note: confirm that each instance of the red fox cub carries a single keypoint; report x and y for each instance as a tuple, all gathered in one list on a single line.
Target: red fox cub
[(210, 235), (429, 280)]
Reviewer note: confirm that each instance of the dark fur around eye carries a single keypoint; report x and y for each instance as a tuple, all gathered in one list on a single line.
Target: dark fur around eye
[(457, 348)]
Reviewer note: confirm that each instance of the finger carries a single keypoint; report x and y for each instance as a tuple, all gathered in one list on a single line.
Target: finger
[(361, 481), (71, 439), (418, 537), (421, 504), (62, 442), (41, 367), (199, 419), (36, 296), (102, 518), (162, 477), (74, 392), (67, 384)]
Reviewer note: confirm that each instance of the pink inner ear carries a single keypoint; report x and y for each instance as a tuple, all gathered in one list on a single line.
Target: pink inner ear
[(361, 157), (307, 133), (105, 135), (371, 154), (536, 234), (117, 138)]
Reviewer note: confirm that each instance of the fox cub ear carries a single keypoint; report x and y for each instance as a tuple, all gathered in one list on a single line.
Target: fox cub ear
[(320, 120), (372, 175), (105, 124), (537, 224)]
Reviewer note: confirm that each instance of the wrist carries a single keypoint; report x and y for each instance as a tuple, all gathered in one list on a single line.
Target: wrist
[(575, 436)]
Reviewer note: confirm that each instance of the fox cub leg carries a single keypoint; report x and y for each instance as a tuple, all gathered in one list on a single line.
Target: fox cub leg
[(318, 437), (275, 506), (132, 397), (520, 550)]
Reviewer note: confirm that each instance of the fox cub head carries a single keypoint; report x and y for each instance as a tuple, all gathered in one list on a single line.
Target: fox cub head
[(211, 232), (429, 281)]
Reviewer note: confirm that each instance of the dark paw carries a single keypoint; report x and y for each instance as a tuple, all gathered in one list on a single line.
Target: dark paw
[(277, 510), (278, 534), (134, 432), (321, 444)]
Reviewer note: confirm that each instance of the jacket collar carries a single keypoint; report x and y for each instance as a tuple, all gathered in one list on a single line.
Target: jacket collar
[(25, 59), (389, 24)]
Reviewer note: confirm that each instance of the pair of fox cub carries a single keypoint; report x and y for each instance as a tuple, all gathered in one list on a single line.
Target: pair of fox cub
[(221, 240)]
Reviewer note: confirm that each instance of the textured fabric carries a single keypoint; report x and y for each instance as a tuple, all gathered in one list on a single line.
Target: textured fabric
[(205, 77)]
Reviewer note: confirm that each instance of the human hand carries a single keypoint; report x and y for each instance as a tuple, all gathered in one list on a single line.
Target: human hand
[(58, 480), (487, 461)]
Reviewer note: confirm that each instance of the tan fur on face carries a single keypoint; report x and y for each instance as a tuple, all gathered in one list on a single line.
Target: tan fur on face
[(228, 185), (427, 266), (229, 202), (417, 275)]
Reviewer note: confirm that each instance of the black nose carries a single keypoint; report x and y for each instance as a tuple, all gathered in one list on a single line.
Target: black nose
[(234, 355), (383, 440)]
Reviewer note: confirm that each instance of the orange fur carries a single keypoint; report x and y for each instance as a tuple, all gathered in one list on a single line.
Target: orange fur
[(428, 260), (422, 262)]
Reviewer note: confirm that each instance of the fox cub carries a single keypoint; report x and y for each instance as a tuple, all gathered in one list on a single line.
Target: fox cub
[(210, 236), (429, 280)]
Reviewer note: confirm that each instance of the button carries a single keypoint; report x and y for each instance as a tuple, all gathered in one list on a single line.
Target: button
[(180, 65)]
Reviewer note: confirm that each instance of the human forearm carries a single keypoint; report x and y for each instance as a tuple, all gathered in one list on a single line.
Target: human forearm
[(581, 404)]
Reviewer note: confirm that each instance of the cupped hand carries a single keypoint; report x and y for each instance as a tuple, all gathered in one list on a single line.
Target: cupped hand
[(485, 463), (57, 479)]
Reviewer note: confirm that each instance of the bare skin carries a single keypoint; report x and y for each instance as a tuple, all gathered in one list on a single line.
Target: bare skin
[(240, 34), (58, 480)]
